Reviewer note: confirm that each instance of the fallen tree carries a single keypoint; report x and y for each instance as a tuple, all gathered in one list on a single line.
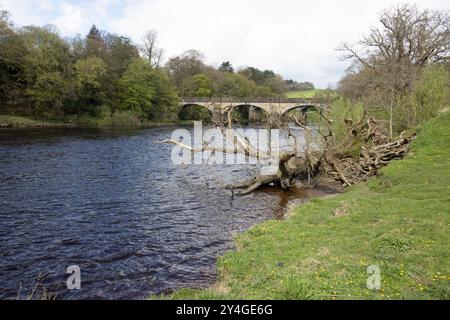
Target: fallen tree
[(331, 161), (375, 151)]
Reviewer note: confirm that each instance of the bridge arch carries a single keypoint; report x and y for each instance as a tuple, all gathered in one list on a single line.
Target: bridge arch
[(309, 118), (195, 111), (302, 108), (250, 112), (193, 104)]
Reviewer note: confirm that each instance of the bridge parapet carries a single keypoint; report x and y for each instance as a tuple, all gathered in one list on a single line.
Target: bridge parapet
[(269, 105), (186, 100)]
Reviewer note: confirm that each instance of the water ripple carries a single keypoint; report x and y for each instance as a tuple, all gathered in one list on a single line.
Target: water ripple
[(111, 202)]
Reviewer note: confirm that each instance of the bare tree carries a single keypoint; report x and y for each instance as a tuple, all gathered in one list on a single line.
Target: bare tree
[(181, 67), (390, 58), (150, 50), (393, 53), (406, 34)]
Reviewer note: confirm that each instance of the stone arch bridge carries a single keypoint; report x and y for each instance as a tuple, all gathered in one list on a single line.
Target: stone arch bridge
[(271, 106)]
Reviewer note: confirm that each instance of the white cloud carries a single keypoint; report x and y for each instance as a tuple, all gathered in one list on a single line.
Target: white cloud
[(70, 19), (294, 38)]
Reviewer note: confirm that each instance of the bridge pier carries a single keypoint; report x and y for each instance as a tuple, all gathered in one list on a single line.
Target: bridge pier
[(253, 115), (216, 116)]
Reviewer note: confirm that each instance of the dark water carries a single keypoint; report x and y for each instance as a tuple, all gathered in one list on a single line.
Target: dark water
[(112, 202)]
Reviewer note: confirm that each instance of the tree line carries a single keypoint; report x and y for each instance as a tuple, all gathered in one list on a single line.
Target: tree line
[(106, 76), (193, 78), (101, 75)]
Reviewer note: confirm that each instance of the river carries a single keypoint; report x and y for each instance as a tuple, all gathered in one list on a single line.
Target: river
[(112, 202)]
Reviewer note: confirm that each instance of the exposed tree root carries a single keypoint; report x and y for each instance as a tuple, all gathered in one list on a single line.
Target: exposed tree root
[(335, 162)]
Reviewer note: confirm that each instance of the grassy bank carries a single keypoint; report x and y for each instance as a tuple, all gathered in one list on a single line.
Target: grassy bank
[(399, 221), (24, 122), (7, 121)]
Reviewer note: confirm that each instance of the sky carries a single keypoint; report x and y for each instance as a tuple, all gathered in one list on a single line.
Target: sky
[(294, 38)]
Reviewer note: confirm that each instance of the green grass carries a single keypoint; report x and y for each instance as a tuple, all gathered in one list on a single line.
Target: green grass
[(302, 94), (399, 221)]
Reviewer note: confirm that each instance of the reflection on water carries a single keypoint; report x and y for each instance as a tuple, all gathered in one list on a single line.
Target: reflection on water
[(298, 195), (112, 202)]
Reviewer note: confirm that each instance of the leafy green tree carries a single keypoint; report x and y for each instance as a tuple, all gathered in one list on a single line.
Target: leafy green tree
[(277, 84), (264, 92), (165, 101), (226, 67), (258, 76), (228, 87), (12, 52), (121, 53), (96, 44), (293, 85), (48, 70), (137, 88), (431, 92), (147, 91), (78, 47), (246, 87), (237, 85), (89, 73), (199, 85)]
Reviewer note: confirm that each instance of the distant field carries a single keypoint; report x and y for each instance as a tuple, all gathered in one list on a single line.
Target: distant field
[(302, 94)]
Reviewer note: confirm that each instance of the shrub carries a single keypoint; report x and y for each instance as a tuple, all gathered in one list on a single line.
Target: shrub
[(294, 288), (430, 93), (126, 118), (340, 110)]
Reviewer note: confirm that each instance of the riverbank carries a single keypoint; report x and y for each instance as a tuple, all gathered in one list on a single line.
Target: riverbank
[(397, 222), (7, 121), (24, 122)]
